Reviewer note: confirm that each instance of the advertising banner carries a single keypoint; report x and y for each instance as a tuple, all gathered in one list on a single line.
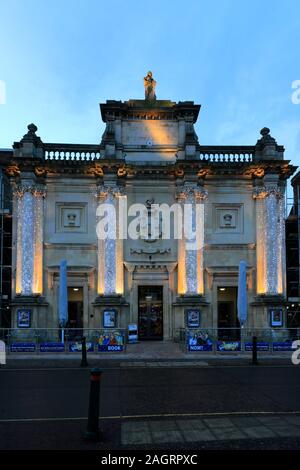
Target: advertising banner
[(111, 341), (132, 333), (52, 347), (276, 317), (76, 346), (282, 346), (110, 318), (192, 318), (22, 347), (199, 341), (225, 346), (261, 346), (24, 318)]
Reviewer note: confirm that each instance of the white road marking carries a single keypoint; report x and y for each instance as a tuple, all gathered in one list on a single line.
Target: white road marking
[(45, 369), (157, 415)]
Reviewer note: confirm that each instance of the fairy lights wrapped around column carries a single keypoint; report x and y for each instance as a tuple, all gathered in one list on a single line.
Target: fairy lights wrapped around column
[(190, 249), (29, 262), (269, 239), (110, 247)]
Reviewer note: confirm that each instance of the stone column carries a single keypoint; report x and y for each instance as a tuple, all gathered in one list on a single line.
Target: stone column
[(190, 251), (281, 244), (29, 262), (270, 239), (110, 249)]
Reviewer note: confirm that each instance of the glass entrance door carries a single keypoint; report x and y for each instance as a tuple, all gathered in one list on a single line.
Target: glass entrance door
[(150, 321)]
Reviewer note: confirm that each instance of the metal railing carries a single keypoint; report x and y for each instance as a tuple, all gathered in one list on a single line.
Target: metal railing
[(55, 340), (191, 340), (229, 340)]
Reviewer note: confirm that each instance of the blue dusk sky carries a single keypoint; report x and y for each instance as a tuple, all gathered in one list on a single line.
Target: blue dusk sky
[(238, 59)]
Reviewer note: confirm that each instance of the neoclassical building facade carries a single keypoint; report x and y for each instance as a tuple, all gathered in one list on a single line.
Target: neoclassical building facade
[(149, 154)]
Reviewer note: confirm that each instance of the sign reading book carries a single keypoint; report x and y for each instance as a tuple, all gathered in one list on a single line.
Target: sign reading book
[(111, 341)]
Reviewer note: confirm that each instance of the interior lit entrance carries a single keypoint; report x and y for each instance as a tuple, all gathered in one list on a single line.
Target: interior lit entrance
[(150, 317), (228, 323), (75, 308)]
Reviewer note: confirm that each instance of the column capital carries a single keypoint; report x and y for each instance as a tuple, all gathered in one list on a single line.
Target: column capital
[(261, 192), (36, 190), (104, 190), (192, 191)]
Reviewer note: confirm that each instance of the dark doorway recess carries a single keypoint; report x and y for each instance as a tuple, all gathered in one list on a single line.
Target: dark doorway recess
[(150, 318)]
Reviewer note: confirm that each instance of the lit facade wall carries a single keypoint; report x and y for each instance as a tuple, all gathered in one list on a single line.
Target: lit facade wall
[(152, 151)]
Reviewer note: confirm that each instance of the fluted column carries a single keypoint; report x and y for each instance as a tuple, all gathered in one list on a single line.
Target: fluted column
[(110, 247), (29, 262), (270, 239), (190, 250)]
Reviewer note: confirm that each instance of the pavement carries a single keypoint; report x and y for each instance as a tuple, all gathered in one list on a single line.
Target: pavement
[(210, 429)]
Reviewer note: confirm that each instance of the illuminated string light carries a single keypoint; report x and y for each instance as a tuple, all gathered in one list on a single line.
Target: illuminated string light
[(29, 239), (110, 252), (270, 239), (190, 261)]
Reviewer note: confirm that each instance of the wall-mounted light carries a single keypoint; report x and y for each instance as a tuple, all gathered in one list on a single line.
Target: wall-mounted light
[(222, 288), (75, 289)]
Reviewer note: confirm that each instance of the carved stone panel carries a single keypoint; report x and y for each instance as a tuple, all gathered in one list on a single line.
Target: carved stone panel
[(228, 218), (71, 217)]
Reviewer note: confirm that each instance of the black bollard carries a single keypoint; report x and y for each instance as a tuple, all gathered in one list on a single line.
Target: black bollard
[(84, 362), (254, 350), (93, 432)]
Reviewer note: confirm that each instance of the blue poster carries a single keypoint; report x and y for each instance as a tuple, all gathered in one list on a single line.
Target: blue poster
[(261, 346), (52, 347), (76, 346), (112, 341), (283, 346), (199, 341), (24, 318), (192, 318), (228, 346), (22, 347)]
